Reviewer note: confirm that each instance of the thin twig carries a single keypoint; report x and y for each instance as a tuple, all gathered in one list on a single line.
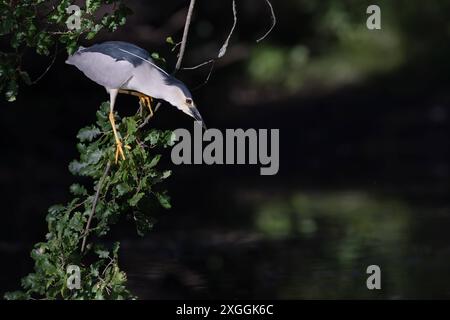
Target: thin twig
[(111, 261), (176, 45), (207, 77), (199, 65), (49, 67), (224, 48), (94, 204), (222, 51), (147, 119), (274, 22), (56, 33), (185, 35)]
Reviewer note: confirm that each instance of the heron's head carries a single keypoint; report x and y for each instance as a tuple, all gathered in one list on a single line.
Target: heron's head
[(179, 96)]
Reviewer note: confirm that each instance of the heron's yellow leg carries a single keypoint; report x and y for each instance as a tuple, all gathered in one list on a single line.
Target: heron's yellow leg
[(119, 150), (133, 93), (145, 100)]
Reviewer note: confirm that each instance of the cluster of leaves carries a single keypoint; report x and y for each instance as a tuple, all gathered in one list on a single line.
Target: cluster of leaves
[(123, 188), (41, 24)]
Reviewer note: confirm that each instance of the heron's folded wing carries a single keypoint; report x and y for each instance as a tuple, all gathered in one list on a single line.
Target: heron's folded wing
[(102, 69)]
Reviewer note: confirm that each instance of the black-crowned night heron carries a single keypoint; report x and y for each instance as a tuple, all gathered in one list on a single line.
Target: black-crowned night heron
[(122, 67)]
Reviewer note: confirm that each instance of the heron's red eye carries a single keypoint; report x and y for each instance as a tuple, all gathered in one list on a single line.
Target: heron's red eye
[(189, 101)]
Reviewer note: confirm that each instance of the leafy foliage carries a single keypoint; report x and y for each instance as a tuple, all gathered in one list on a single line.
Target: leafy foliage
[(40, 25), (123, 188), (127, 188)]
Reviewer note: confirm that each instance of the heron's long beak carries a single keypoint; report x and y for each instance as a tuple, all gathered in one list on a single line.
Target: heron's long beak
[(196, 115)]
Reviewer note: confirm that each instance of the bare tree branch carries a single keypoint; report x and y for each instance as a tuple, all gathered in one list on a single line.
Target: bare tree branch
[(224, 48), (274, 22), (49, 66), (94, 204), (222, 51), (199, 65), (183, 44), (147, 119), (208, 77), (181, 53), (185, 35)]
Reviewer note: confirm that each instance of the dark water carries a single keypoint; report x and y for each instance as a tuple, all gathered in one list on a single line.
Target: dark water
[(306, 246), (364, 180), (310, 253)]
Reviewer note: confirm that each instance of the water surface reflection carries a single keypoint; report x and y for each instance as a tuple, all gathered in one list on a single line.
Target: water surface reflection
[(306, 245)]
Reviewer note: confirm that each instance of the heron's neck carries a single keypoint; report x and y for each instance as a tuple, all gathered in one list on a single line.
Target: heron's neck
[(158, 87)]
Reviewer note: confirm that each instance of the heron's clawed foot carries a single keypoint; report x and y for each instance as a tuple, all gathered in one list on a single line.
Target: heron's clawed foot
[(146, 101), (119, 151)]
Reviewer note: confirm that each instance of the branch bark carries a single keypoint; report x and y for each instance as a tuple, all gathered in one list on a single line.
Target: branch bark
[(222, 51), (94, 205), (49, 67), (185, 36), (183, 44), (274, 21), (224, 48)]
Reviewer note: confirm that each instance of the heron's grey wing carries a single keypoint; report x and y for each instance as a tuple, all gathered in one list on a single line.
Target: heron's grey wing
[(103, 69)]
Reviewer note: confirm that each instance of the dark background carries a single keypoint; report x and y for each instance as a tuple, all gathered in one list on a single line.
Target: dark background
[(364, 161)]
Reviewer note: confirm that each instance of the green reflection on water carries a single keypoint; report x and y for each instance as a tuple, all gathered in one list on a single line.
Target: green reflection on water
[(342, 234)]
